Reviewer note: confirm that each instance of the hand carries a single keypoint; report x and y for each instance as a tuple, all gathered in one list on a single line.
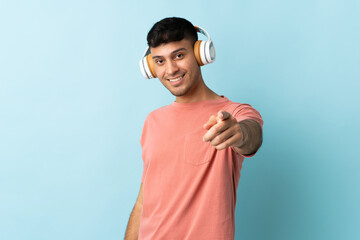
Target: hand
[(223, 131)]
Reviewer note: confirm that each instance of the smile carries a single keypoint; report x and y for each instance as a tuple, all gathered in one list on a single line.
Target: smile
[(176, 79), (175, 82)]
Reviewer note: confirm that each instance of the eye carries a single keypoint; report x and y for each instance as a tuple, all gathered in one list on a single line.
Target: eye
[(179, 55), (159, 61)]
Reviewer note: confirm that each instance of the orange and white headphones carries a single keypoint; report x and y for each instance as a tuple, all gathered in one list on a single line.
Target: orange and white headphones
[(204, 53)]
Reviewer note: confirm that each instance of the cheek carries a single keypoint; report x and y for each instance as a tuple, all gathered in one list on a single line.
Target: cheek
[(158, 72), (193, 65), (188, 67), (195, 69)]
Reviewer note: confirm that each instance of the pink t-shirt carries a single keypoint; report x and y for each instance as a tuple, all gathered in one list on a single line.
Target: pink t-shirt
[(189, 187)]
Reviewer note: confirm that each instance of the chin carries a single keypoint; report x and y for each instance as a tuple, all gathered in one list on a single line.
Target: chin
[(179, 93)]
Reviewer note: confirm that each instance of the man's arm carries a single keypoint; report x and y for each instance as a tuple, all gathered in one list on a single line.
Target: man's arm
[(132, 230), (251, 137), (245, 137)]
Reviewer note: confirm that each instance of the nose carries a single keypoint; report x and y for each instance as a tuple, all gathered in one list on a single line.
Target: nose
[(171, 68)]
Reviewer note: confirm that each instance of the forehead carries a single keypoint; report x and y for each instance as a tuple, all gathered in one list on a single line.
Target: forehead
[(167, 49)]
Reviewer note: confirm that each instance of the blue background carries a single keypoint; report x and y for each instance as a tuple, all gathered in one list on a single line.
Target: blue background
[(73, 102)]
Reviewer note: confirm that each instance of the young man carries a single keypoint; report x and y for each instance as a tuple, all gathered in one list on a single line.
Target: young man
[(192, 149)]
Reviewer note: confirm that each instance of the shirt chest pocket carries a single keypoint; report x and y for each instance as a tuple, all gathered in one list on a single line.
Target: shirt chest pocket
[(196, 151)]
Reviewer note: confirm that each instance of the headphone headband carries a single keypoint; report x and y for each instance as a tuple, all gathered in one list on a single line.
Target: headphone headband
[(203, 31)]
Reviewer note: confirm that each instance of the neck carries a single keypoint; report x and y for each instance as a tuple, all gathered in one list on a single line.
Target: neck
[(200, 93)]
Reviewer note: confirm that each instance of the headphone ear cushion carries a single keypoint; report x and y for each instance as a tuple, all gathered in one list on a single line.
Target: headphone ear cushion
[(147, 67), (197, 52), (150, 63)]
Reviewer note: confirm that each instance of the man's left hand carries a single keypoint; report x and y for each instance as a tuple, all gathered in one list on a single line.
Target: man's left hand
[(223, 131)]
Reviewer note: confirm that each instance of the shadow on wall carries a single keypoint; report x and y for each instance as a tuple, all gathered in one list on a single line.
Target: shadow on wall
[(274, 200)]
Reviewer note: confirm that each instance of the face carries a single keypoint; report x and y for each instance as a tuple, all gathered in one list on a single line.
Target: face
[(176, 67)]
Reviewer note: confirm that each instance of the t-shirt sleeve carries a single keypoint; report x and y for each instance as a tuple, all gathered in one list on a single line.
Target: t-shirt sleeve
[(246, 111), (143, 139), (242, 112)]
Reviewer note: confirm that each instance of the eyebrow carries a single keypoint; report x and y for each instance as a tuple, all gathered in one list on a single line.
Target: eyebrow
[(177, 50)]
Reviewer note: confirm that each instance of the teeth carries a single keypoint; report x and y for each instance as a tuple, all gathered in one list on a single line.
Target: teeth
[(176, 79)]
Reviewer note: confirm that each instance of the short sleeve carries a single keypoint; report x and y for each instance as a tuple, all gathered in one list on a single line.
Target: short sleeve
[(246, 111)]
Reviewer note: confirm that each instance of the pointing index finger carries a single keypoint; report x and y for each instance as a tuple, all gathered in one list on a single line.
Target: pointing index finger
[(211, 122)]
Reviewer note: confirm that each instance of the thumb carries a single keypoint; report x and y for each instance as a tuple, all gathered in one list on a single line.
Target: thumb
[(223, 115)]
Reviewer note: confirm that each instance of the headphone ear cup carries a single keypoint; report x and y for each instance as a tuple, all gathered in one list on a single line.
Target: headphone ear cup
[(143, 68), (147, 67), (204, 52), (197, 52), (209, 52)]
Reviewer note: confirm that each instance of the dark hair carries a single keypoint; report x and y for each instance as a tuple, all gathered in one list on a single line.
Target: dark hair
[(171, 29)]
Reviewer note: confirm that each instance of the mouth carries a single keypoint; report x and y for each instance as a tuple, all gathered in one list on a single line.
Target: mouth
[(176, 81)]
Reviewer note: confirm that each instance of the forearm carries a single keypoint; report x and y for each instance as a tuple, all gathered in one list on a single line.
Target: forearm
[(251, 137), (132, 230)]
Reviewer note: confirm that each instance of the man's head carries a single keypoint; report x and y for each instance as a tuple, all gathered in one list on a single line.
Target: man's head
[(171, 30), (171, 43), (175, 55)]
